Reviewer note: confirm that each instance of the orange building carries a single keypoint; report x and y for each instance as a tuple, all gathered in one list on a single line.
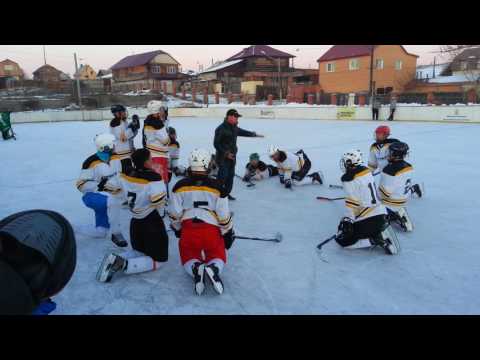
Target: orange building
[(346, 69)]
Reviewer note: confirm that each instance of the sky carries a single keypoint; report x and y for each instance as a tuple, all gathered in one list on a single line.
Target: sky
[(30, 57)]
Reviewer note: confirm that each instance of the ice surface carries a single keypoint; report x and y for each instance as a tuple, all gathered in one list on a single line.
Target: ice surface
[(438, 270)]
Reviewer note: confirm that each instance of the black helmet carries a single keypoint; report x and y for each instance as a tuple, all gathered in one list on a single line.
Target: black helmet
[(117, 108), (398, 150)]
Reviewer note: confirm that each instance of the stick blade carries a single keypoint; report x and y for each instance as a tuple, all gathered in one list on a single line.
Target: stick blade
[(278, 237)]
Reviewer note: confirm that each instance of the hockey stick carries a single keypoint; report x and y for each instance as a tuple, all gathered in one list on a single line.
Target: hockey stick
[(249, 183), (333, 237), (332, 186), (278, 238), (329, 199)]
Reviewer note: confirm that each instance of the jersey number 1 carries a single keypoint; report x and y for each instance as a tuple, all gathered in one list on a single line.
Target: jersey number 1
[(372, 192)]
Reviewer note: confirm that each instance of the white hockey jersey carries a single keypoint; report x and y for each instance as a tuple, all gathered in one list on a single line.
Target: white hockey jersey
[(290, 164), (202, 198), (156, 138), (145, 191), (361, 199), (378, 154), (394, 184), (94, 170), (124, 137)]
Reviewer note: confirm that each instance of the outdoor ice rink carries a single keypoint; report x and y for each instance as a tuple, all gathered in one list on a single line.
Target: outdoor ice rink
[(437, 271)]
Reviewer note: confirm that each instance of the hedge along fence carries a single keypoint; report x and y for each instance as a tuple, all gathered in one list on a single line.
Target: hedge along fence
[(403, 113)]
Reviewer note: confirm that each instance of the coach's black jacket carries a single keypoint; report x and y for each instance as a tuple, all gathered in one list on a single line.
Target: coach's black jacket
[(226, 139)]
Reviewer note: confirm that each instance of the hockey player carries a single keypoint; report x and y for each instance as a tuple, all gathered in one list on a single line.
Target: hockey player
[(200, 217), (258, 170), (293, 168), (365, 222), (174, 155), (156, 139), (146, 193), (124, 133), (396, 185), (101, 190), (379, 150)]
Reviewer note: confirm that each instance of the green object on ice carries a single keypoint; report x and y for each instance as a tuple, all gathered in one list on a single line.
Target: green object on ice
[(6, 126)]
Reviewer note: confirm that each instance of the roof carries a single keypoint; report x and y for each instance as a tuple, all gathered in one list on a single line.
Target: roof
[(461, 78), (46, 66), (347, 51), (138, 59), (260, 50), (427, 70), (221, 66), (468, 54)]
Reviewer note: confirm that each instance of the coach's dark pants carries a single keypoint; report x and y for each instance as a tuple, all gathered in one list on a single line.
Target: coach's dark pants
[(375, 114), (226, 173)]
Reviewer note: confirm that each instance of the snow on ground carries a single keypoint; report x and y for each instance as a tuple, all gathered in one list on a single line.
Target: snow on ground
[(437, 272)]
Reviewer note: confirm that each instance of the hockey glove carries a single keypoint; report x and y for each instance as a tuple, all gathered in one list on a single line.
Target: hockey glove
[(229, 238), (288, 184), (282, 179), (101, 184), (135, 124), (247, 178), (177, 233), (345, 228)]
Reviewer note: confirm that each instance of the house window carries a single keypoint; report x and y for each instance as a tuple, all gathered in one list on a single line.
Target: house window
[(379, 64), (353, 64), (478, 64), (156, 69), (330, 67), (463, 65), (171, 69), (398, 65), (8, 67)]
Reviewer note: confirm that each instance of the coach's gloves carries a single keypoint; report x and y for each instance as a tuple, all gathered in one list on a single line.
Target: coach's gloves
[(177, 233), (288, 184), (101, 184), (229, 238), (282, 179)]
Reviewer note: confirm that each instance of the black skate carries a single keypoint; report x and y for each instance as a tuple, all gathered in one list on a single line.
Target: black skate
[(417, 190), (110, 265), (316, 177), (119, 240), (214, 277), (198, 270), (387, 240), (230, 197)]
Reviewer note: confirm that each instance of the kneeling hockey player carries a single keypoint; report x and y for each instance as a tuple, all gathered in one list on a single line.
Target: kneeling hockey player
[(146, 193), (124, 133), (379, 150), (396, 185), (293, 168), (258, 170), (365, 224), (101, 190), (174, 155), (200, 217)]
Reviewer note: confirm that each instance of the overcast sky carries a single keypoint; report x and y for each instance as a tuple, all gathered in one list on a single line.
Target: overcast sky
[(30, 57)]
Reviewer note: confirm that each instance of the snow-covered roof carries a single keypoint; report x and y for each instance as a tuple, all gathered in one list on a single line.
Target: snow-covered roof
[(108, 76), (452, 79), (424, 71), (221, 66)]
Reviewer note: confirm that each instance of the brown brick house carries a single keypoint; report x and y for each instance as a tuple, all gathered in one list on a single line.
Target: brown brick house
[(47, 73), (346, 69), (150, 70)]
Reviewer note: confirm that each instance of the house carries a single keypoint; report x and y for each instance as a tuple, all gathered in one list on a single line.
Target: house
[(426, 72), (346, 69), (151, 70), (467, 63), (253, 67), (104, 73), (10, 72), (85, 72), (47, 73)]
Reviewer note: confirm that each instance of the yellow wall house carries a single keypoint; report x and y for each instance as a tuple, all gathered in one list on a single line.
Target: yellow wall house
[(250, 87), (346, 69), (86, 72)]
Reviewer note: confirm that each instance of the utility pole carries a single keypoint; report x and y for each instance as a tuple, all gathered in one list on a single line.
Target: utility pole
[(279, 81), (434, 63), (371, 71), (78, 81), (44, 56)]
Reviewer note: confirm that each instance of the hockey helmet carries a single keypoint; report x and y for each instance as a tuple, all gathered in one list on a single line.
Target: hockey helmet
[(105, 142), (272, 150), (351, 159), (383, 130), (254, 156), (397, 150), (199, 160), (117, 108), (155, 106)]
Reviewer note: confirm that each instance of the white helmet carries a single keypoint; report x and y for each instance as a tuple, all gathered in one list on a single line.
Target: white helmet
[(154, 106), (272, 150), (351, 158), (104, 142), (199, 160)]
